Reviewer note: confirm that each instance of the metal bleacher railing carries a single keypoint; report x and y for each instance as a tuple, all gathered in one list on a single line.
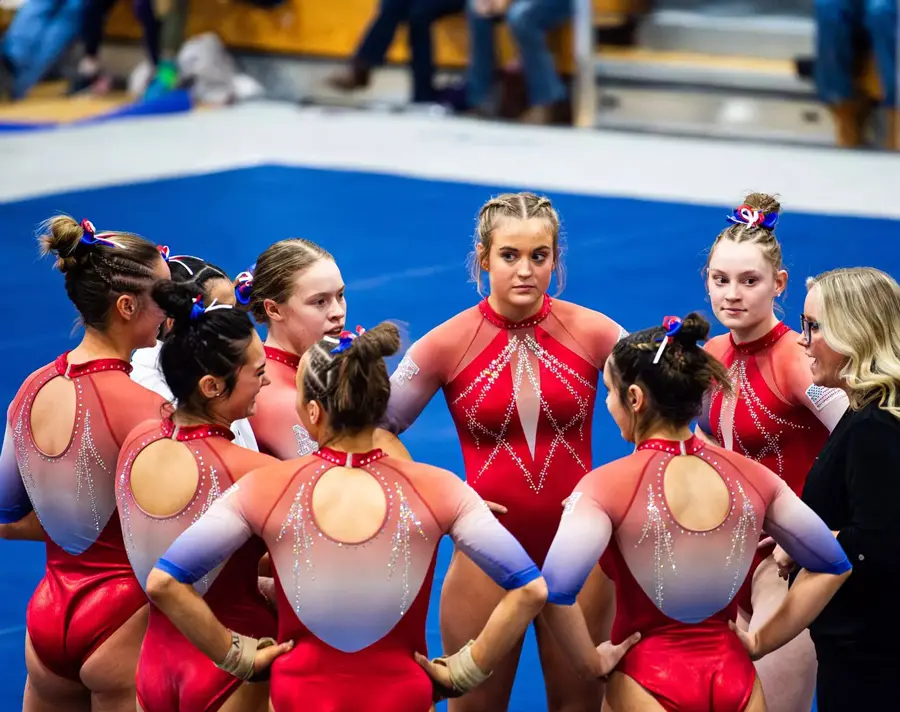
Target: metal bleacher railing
[(585, 85)]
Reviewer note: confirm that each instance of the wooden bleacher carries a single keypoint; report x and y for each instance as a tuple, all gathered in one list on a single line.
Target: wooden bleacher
[(332, 29)]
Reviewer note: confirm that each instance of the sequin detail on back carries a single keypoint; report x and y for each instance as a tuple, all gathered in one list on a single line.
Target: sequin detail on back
[(663, 549), (317, 571), (73, 493), (147, 537)]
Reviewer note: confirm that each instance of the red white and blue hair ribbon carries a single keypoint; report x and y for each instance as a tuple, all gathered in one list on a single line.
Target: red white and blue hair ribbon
[(672, 325), (90, 236), (199, 310), (243, 286), (346, 340), (163, 252), (751, 217)]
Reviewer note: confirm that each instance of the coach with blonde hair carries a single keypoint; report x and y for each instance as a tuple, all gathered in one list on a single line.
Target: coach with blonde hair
[(851, 331)]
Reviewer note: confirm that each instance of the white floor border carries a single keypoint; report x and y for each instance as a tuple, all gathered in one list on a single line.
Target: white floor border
[(589, 162)]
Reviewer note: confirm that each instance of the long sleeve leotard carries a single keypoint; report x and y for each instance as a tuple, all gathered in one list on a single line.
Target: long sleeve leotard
[(356, 610), (776, 416), (674, 585), (522, 397), (89, 589), (231, 590)]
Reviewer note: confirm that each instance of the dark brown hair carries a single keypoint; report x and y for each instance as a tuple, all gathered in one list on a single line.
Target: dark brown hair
[(98, 274), (209, 343), (352, 386), (674, 386), (275, 270)]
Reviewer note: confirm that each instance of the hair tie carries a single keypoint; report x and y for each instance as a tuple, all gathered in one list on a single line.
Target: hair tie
[(751, 217), (243, 286), (672, 325), (90, 237), (199, 310), (346, 340), (163, 252)]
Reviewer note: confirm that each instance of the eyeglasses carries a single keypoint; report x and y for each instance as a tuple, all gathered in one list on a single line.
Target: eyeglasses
[(807, 327)]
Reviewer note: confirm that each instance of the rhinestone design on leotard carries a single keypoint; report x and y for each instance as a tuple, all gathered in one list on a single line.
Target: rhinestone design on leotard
[(521, 347), (743, 392), (87, 466), (209, 480), (662, 526), (407, 522), (663, 554), (306, 537), (305, 444), (84, 479), (301, 539), (407, 370)]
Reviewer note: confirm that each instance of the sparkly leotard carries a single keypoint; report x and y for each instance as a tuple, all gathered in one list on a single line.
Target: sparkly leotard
[(677, 586), (276, 424), (355, 611), (89, 590), (231, 590), (522, 397), (777, 416)]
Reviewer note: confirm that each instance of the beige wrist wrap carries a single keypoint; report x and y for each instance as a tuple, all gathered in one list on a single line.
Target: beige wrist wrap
[(241, 654)]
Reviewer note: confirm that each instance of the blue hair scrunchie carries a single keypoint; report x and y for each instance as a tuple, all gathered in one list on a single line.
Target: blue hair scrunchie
[(198, 309)]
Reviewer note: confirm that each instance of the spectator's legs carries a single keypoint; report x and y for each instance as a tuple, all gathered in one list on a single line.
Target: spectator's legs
[(35, 40), (482, 55), (172, 16), (150, 25), (21, 41), (95, 15), (422, 16), (374, 46), (837, 24), (529, 21), (880, 18)]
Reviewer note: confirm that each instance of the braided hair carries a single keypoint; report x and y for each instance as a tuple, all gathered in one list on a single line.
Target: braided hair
[(98, 267), (349, 378), (754, 221), (203, 341), (672, 369), (520, 206)]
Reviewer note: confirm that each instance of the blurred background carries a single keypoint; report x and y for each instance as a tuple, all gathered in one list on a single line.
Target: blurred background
[(812, 71), (379, 127)]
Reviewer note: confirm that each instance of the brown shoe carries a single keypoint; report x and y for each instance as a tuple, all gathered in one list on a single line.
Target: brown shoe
[(848, 123), (540, 115), (559, 114), (355, 76)]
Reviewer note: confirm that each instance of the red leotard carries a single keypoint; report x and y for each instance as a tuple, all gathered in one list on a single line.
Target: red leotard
[(276, 424), (522, 397), (777, 416), (355, 611), (231, 590), (89, 590), (676, 586)]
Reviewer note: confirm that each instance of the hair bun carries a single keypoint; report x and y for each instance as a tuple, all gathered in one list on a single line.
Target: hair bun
[(176, 299), (764, 203), (60, 235), (378, 342), (694, 328)]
